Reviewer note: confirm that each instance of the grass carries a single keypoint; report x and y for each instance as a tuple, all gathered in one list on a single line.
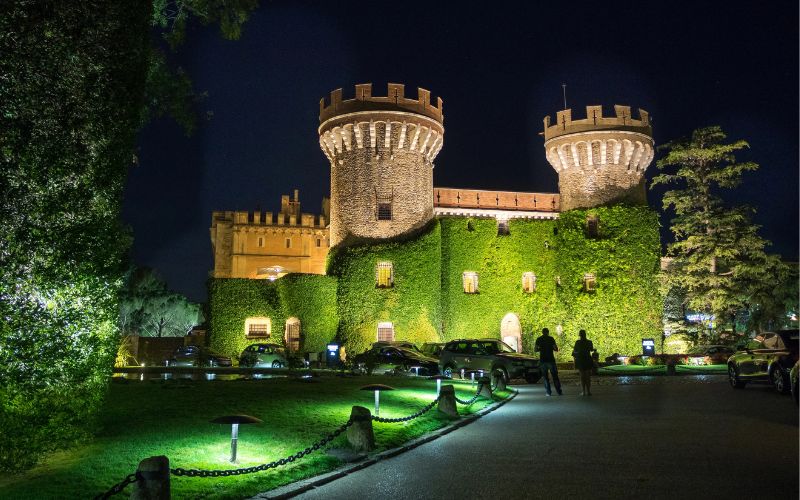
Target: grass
[(660, 369), (143, 419)]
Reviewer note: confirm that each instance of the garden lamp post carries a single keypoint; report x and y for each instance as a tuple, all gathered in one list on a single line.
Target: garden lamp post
[(377, 388), (438, 379), (235, 420)]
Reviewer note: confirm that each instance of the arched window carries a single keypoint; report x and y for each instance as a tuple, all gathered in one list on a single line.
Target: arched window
[(384, 275), (386, 332), (528, 282), (470, 281), (292, 335), (257, 327)]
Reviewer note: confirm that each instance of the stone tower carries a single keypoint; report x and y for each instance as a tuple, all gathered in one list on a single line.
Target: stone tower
[(599, 160), (381, 151)]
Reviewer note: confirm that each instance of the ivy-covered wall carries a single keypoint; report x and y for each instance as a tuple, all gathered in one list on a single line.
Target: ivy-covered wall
[(412, 304), (427, 301), (310, 298)]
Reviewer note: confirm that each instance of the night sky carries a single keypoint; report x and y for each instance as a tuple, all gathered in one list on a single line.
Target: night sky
[(498, 67)]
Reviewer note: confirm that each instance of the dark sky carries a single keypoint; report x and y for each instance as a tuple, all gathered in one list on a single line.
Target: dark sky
[(498, 67)]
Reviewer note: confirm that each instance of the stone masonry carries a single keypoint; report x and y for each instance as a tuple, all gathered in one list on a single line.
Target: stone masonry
[(599, 160), (381, 152)]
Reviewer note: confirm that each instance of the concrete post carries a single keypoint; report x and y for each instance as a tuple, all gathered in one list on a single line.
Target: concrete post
[(447, 401), (360, 434), (153, 483), (484, 389)]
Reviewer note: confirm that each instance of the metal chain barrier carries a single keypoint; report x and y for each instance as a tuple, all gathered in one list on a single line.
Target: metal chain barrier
[(474, 398), (426, 408), (258, 468), (117, 488)]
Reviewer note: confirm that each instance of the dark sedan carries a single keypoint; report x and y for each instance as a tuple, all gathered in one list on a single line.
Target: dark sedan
[(394, 360), (769, 361), (197, 356)]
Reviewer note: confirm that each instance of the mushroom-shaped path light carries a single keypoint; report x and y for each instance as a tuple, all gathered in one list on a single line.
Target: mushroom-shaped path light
[(377, 388), (235, 420), (438, 379)]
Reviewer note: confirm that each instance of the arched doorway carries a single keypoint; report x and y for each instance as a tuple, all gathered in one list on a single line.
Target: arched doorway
[(292, 335), (511, 331)]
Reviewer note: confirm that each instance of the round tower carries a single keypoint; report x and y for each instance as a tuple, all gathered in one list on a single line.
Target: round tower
[(381, 151), (600, 160)]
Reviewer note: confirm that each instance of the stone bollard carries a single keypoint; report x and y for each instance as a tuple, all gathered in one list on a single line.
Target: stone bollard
[(360, 435), (484, 387), (499, 381), (447, 401), (153, 483)]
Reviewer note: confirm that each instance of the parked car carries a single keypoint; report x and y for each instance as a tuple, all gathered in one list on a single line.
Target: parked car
[(432, 349), (490, 356), (771, 360), (710, 354), (263, 356), (397, 343), (793, 376), (394, 360), (197, 356)]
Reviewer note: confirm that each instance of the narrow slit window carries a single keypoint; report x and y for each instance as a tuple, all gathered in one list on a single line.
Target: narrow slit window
[(384, 275), (592, 226), (319, 242), (502, 228), (470, 281), (260, 242), (528, 282), (288, 243)]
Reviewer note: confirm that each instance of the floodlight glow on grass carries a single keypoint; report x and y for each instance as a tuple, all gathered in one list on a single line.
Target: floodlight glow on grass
[(438, 379), (235, 420), (377, 388), (416, 370)]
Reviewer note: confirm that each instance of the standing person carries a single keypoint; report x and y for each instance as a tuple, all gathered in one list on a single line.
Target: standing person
[(582, 352), (546, 345)]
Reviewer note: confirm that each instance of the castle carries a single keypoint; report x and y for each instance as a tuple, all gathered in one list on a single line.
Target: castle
[(410, 261)]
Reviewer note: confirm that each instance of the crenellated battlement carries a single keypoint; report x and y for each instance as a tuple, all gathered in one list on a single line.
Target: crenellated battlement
[(623, 120), (395, 100)]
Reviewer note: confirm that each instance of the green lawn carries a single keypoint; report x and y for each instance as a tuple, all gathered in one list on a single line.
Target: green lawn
[(660, 369), (143, 419)]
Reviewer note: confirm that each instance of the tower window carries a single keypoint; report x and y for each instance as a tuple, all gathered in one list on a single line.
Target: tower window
[(384, 275), (528, 282), (592, 226), (257, 327), (288, 243), (502, 228), (384, 211), (386, 332), (589, 282), (319, 242), (470, 281), (260, 241)]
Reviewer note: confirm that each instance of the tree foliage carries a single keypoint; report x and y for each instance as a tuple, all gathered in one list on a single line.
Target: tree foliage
[(717, 258), (148, 308)]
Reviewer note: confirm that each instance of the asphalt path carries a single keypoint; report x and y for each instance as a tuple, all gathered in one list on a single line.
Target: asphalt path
[(646, 437)]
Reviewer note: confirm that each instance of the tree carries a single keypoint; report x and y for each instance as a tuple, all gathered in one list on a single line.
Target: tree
[(149, 308), (718, 259)]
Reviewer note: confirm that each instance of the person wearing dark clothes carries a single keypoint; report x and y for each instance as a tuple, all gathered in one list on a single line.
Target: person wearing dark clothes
[(582, 352), (546, 346)]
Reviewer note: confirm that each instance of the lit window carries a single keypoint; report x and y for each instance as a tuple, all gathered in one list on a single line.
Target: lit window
[(293, 334), (288, 243), (589, 283), (384, 211), (592, 225), (528, 282), (386, 332), (257, 327), (470, 280), (260, 241), (502, 228), (384, 275)]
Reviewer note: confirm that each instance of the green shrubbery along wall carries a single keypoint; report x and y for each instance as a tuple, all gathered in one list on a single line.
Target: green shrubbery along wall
[(309, 298), (427, 300), (411, 304), (500, 261), (626, 305)]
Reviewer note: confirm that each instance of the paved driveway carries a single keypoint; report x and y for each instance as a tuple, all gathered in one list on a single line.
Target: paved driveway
[(659, 437)]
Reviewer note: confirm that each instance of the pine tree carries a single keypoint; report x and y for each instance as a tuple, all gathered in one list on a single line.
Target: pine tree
[(717, 258)]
